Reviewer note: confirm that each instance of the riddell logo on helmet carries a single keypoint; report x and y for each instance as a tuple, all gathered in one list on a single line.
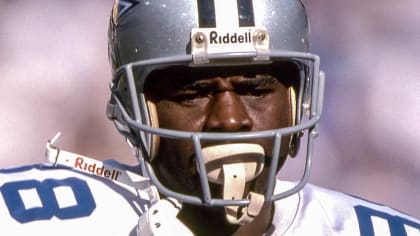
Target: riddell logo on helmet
[(230, 38)]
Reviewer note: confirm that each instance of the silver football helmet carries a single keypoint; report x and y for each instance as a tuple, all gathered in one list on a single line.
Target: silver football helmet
[(148, 35)]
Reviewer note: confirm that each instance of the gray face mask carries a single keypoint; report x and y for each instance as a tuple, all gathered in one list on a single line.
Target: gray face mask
[(147, 36)]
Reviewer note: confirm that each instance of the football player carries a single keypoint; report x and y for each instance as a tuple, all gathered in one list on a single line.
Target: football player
[(212, 96)]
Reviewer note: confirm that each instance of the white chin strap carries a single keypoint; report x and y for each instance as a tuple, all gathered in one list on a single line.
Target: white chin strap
[(233, 165)]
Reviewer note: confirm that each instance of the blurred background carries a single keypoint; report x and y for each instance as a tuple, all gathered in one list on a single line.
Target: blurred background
[(54, 77)]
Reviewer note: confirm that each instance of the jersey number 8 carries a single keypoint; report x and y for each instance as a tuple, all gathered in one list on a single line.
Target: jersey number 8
[(84, 203)]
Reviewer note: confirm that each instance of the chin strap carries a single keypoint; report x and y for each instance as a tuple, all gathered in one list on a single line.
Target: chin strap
[(233, 165), (105, 170), (233, 188), (161, 220)]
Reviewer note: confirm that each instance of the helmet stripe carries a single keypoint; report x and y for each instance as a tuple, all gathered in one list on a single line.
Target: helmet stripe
[(225, 13), (206, 13), (246, 13)]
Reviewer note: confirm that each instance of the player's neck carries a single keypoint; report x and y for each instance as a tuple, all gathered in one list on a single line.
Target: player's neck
[(203, 221), (260, 224)]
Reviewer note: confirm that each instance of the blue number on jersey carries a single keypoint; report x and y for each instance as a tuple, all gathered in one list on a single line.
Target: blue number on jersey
[(85, 204), (396, 223)]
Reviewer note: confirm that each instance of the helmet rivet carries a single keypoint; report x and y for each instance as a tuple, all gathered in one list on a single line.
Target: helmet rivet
[(199, 38), (260, 36)]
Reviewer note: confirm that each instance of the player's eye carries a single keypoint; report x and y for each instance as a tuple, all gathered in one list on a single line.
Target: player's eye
[(257, 86), (193, 92)]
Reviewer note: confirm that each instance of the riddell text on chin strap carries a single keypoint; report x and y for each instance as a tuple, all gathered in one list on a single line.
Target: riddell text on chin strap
[(159, 220), (108, 171)]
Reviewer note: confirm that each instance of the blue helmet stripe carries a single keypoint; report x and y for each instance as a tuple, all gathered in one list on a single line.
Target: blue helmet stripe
[(206, 13), (246, 13)]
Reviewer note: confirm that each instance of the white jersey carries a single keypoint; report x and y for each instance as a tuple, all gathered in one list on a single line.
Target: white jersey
[(317, 211), (46, 200)]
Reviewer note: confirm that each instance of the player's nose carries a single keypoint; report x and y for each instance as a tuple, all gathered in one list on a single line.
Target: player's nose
[(228, 114)]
